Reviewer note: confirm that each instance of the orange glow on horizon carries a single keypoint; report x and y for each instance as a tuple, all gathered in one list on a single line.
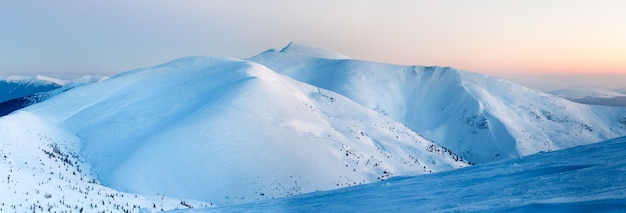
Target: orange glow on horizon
[(550, 61), (552, 67)]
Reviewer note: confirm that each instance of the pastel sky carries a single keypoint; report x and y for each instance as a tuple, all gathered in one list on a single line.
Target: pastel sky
[(515, 37)]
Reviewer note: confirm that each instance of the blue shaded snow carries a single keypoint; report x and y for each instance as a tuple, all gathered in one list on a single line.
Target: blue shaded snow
[(580, 179)]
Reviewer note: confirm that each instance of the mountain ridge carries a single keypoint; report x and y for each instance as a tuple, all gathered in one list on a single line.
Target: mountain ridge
[(311, 51), (455, 108)]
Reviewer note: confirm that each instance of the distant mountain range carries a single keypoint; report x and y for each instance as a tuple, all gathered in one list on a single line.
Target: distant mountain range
[(593, 96), (20, 86), (17, 92)]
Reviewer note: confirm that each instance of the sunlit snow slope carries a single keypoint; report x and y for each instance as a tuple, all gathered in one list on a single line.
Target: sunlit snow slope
[(42, 172), (587, 178), (225, 130), (481, 118)]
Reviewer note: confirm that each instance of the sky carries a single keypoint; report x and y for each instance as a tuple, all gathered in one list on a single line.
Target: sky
[(502, 38)]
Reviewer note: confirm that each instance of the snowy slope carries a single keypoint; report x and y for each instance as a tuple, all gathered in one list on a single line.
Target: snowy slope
[(42, 172), (225, 131), (481, 118), (587, 178)]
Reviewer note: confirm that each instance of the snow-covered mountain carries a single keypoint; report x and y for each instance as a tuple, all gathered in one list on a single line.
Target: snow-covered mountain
[(12, 87), (23, 91), (482, 118), (204, 131), (226, 130), (587, 178)]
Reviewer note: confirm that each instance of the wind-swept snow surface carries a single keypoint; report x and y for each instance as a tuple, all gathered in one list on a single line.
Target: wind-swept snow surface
[(225, 130), (588, 178), (481, 118)]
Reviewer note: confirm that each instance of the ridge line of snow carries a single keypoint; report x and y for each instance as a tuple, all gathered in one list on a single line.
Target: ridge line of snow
[(311, 51)]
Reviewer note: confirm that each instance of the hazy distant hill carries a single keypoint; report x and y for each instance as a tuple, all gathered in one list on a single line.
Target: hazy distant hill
[(17, 92), (12, 87), (591, 96)]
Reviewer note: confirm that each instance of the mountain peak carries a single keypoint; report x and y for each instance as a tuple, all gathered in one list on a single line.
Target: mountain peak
[(312, 51)]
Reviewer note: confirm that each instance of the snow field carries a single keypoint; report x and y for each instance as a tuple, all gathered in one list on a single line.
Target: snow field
[(587, 178), (41, 172)]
